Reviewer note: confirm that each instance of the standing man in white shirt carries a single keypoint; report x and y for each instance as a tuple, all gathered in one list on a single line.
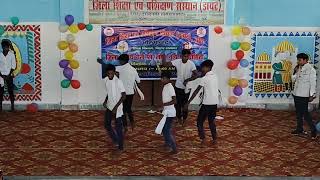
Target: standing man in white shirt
[(113, 102), (209, 83), (304, 78), (186, 71), (7, 66), (130, 78)]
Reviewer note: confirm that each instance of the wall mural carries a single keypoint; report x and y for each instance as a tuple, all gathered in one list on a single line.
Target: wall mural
[(26, 43), (274, 58)]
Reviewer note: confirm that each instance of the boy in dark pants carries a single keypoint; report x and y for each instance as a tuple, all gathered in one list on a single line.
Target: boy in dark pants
[(130, 79), (304, 77), (113, 102), (168, 100), (186, 71), (7, 66), (209, 83)]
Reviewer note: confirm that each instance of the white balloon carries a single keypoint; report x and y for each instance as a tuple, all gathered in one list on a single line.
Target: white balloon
[(70, 38), (63, 28)]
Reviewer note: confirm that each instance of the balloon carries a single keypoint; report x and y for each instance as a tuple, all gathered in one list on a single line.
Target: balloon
[(240, 38), (73, 29), (243, 83), (233, 82), (244, 63), (246, 31), (236, 31), (63, 28), (15, 20), (62, 45), (239, 54), (73, 47), (318, 127), (245, 46), (75, 84), (70, 38), (89, 27), (64, 63), (218, 29), (65, 83), (2, 30), (233, 100), (232, 64), (235, 45), (74, 64), (33, 107), (237, 91), (69, 19), (81, 26), (68, 55), (68, 73)]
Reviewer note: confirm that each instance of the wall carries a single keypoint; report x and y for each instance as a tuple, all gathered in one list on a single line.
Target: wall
[(50, 12), (283, 13)]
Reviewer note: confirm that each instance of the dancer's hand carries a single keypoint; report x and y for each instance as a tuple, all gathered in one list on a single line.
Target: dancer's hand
[(114, 110), (105, 104)]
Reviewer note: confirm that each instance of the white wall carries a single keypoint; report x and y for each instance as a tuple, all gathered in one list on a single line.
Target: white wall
[(89, 73)]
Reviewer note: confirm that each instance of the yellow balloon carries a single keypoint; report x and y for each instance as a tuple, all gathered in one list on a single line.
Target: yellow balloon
[(236, 31), (245, 46), (233, 82), (73, 28), (68, 55), (74, 64), (62, 45)]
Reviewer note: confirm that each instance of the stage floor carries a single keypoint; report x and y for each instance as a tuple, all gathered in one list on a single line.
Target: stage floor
[(74, 143)]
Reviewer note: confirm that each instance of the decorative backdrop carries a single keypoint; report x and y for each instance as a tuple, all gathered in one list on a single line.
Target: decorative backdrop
[(26, 43), (274, 58)]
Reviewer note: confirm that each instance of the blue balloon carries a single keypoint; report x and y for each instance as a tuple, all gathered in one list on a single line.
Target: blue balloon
[(244, 63), (318, 127)]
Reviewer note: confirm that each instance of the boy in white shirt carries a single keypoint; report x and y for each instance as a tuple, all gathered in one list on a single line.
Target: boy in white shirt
[(186, 71), (304, 78), (168, 99), (209, 83), (7, 66), (130, 78), (113, 102)]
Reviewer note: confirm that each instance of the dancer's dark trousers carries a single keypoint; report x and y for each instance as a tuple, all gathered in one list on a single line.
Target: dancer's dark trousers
[(116, 136), (9, 82), (207, 111), (127, 110), (182, 99), (301, 104)]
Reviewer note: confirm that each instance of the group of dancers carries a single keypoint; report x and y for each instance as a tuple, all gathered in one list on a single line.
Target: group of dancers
[(122, 82)]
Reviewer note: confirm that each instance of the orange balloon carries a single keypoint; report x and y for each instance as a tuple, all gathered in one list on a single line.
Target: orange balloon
[(73, 47), (233, 100), (243, 83), (246, 31)]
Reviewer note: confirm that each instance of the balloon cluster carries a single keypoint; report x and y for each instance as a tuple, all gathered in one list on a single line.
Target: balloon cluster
[(68, 64), (238, 64)]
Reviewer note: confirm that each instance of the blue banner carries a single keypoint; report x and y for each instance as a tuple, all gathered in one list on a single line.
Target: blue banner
[(146, 45)]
